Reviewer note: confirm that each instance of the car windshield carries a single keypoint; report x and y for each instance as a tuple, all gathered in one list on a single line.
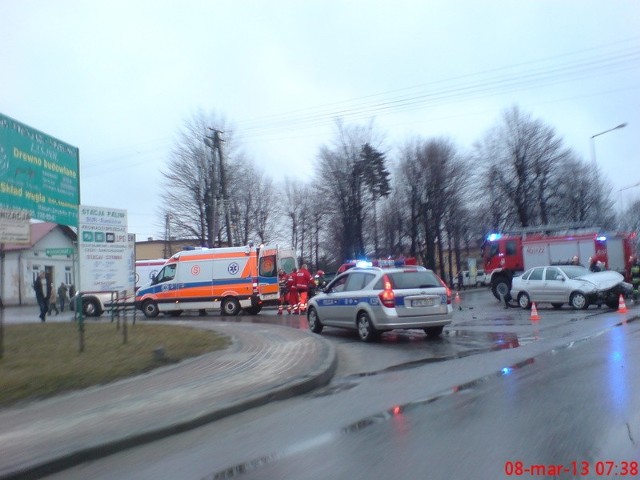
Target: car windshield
[(574, 271), (414, 279)]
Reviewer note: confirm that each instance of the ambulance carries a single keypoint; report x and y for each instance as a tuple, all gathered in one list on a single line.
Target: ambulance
[(230, 278)]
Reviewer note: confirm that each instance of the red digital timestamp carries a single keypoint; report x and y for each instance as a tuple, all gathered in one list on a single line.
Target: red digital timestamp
[(604, 468)]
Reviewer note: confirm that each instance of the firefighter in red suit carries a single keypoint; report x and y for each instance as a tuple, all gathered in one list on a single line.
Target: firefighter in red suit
[(303, 279), (292, 295)]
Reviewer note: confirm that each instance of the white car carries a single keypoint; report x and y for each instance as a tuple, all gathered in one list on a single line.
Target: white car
[(572, 284), (374, 300)]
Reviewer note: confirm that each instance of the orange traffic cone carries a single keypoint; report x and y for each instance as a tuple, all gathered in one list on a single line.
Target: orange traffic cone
[(622, 308), (534, 313), (457, 297)]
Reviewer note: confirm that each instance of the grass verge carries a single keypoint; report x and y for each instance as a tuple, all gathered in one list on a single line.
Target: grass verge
[(42, 360)]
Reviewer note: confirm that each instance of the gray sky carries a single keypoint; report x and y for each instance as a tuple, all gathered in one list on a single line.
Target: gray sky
[(118, 79)]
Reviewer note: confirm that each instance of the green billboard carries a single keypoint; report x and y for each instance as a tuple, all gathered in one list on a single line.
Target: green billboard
[(38, 173)]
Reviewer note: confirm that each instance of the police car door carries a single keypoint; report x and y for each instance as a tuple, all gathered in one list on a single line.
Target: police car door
[(351, 297)]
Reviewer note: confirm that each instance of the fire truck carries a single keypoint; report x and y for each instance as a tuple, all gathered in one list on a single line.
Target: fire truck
[(506, 255)]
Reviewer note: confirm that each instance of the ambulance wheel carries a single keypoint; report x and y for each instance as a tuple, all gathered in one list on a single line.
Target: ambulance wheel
[(230, 307), (150, 309)]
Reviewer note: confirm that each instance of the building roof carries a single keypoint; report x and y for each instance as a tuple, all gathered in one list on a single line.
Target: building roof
[(38, 232)]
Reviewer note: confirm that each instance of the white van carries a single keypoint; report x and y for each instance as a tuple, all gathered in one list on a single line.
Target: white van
[(95, 304)]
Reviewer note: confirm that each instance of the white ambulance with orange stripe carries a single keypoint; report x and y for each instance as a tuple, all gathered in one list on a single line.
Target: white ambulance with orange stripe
[(232, 279)]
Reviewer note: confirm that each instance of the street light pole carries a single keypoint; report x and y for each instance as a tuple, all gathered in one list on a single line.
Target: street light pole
[(596, 177), (593, 142)]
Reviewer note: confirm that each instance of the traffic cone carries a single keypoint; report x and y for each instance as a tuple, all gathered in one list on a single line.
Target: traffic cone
[(457, 300), (534, 313), (622, 308)]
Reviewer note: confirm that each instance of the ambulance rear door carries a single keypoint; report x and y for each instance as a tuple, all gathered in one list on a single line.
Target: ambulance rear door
[(268, 273)]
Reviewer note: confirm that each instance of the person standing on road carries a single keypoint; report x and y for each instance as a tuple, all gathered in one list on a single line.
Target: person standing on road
[(303, 279), (635, 277), (43, 292), (292, 292), (62, 295), (53, 301), (282, 288), (319, 280)]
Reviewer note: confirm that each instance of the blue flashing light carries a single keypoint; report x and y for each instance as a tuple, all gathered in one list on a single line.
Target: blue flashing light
[(506, 370), (492, 237), (601, 238), (363, 263)]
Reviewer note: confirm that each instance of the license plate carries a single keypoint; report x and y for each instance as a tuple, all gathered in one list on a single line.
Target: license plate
[(423, 302)]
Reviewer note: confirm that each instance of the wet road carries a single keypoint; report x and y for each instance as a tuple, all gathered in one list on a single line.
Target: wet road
[(574, 413), (568, 391)]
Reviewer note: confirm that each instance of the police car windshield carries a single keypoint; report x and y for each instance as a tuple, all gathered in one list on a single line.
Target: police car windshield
[(414, 279)]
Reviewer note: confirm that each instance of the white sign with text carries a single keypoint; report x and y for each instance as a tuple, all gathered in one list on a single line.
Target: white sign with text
[(104, 249)]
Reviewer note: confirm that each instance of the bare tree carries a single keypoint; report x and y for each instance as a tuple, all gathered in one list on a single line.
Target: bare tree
[(194, 198), (354, 174), (521, 157), (190, 182)]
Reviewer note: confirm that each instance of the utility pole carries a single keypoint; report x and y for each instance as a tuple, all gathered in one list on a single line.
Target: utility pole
[(167, 237), (217, 145), (211, 194)]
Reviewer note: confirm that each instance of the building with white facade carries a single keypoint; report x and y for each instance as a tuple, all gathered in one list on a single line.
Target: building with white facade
[(52, 250)]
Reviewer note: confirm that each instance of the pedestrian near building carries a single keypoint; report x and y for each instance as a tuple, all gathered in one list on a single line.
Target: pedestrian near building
[(53, 301), (62, 295), (42, 288)]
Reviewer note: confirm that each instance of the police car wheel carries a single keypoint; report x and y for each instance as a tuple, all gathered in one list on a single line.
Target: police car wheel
[(366, 330), (230, 307), (314, 321), (433, 331)]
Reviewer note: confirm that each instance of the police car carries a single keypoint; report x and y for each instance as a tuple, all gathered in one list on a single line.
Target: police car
[(372, 300)]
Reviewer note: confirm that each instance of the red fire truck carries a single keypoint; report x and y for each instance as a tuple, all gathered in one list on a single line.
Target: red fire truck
[(507, 255)]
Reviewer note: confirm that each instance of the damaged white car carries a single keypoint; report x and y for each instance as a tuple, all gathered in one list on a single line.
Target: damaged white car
[(572, 284)]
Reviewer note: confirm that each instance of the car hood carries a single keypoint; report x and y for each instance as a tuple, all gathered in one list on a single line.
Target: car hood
[(602, 280)]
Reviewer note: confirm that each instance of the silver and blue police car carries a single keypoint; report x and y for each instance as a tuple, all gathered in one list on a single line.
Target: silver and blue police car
[(373, 300)]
